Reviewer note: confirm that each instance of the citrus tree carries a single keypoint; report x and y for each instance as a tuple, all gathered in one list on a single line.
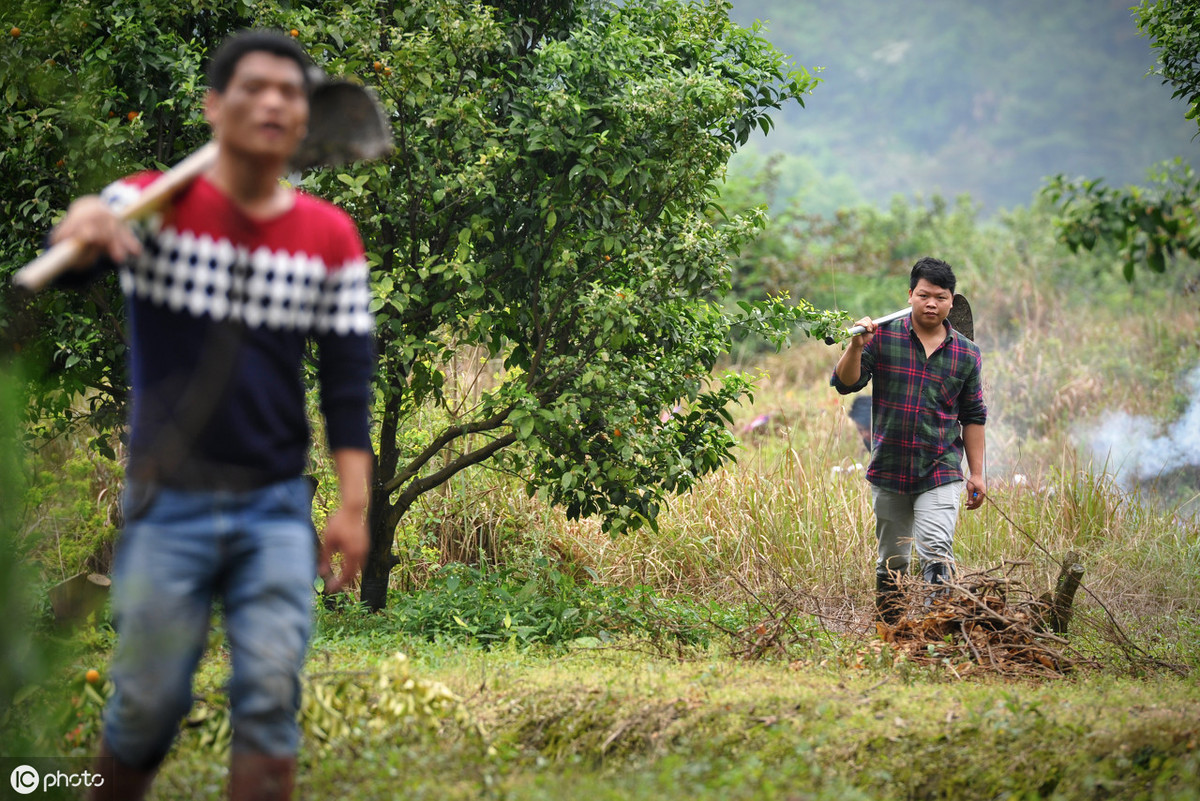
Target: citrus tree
[(88, 92), (549, 211), (1174, 29), (550, 216)]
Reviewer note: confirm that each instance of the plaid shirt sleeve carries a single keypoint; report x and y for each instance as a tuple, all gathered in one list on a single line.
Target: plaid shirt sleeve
[(919, 406)]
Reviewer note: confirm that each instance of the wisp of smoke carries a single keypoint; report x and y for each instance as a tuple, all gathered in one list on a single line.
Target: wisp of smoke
[(1134, 448)]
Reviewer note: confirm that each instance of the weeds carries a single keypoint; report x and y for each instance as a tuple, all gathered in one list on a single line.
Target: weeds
[(539, 605)]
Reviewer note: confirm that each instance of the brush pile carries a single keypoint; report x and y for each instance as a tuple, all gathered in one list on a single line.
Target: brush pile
[(987, 622), (983, 623)]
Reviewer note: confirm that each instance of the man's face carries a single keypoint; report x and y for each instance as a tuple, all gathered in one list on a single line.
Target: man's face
[(264, 108), (930, 304)]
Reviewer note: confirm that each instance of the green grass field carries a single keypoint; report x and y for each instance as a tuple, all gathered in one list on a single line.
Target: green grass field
[(732, 653)]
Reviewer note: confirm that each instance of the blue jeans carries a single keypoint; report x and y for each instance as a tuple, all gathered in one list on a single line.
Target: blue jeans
[(253, 551), (926, 520)]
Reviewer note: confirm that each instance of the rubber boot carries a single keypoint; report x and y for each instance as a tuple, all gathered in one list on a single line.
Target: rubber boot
[(889, 602), (258, 777), (936, 573), (116, 781)]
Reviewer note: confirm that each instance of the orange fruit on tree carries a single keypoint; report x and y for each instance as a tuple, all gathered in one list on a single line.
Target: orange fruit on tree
[(92, 676), (294, 33), (14, 31), (133, 115)]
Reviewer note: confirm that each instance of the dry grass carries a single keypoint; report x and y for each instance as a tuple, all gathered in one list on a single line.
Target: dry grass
[(794, 512), (792, 519)]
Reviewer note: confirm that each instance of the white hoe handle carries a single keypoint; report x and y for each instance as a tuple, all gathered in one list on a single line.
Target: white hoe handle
[(887, 318)]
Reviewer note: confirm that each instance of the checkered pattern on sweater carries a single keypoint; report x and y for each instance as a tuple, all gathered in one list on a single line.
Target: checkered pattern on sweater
[(222, 309), (280, 287)]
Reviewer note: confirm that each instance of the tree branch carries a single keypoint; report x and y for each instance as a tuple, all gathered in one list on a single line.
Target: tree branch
[(442, 440), (419, 487)]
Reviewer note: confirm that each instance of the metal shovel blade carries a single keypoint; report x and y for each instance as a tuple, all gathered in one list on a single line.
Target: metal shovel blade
[(346, 123), (961, 319)]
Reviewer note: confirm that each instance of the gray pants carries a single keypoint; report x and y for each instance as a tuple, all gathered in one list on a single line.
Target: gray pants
[(926, 520)]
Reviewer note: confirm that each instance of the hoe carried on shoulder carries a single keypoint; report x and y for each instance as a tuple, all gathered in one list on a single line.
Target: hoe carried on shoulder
[(960, 319), (346, 123)]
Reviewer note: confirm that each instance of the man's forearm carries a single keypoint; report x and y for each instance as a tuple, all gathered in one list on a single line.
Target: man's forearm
[(849, 367), (354, 477), (974, 443)]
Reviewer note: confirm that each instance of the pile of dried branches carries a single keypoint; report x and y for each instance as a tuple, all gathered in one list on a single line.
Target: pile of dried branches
[(989, 620), (982, 622)]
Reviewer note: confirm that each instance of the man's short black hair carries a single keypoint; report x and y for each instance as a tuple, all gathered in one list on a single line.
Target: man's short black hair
[(232, 50), (935, 271)]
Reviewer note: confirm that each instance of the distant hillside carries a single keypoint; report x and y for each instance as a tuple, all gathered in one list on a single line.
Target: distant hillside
[(951, 97)]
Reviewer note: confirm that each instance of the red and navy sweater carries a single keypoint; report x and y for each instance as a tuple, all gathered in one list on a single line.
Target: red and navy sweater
[(221, 309)]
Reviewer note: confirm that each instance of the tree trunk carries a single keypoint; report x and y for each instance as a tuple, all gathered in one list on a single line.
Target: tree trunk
[(1054, 609), (79, 596), (377, 569), (380, 560)]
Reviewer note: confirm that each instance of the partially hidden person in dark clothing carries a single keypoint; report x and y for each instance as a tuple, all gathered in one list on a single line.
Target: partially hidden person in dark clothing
[(860, 415), (224, 290), (927, 411)]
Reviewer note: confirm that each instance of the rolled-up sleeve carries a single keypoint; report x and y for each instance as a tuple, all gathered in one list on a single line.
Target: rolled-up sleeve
[(866, 368)]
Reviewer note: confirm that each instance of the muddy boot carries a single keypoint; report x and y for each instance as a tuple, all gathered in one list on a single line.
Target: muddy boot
[(889, 601), (258, 777), (120, 782)]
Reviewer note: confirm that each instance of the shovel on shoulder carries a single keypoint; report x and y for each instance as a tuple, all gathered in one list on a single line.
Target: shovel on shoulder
[(346, 123), (960, 319)]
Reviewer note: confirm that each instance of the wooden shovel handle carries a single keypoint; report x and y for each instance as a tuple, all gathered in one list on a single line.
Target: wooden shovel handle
[(887, 318), (57, 258)]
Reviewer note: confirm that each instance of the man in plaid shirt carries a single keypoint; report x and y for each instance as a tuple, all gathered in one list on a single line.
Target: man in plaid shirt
[(927, 409)]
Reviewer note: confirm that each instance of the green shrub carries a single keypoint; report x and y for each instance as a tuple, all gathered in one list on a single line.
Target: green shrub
[(495, 606)]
